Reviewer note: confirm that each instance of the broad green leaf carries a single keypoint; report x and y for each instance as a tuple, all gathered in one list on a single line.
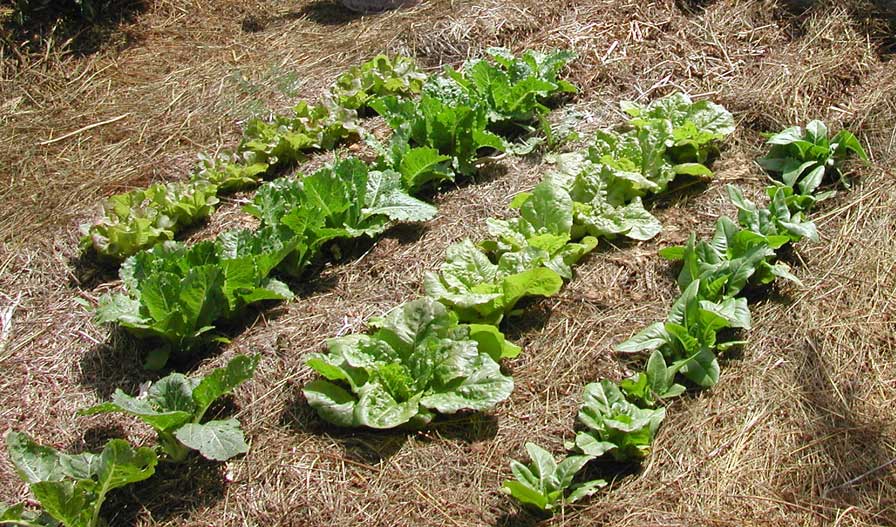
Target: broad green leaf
[(223, 380), (217, 440)]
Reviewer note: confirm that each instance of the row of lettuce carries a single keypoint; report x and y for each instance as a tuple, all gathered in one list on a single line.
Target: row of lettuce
[(619, 420), (178, 296), (439, 135)]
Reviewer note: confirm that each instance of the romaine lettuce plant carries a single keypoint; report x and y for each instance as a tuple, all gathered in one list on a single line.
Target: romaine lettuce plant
[(71, 488), (803, 156), (615, 426), (546, 485), (454, 130), (175, 407), (478, 290), (418, 362), (690, 129), (689, 336)]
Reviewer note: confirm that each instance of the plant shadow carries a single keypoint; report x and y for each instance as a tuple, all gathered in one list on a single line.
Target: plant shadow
[(327, 13), (85, 29)]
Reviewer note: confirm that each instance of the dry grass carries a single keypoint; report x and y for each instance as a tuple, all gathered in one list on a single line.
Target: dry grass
[(799, 432)]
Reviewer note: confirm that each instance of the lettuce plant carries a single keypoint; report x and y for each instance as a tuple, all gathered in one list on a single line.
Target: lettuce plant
[(231, 172), (71, 488), (657, 382), (180, 294), (143, 217), (615, 426), (513, 89), (478, 290), (689, 336), (803, 156), (418, 362), (175, 407), (546, 485), (378, 77), (287, 138), (690, 129)]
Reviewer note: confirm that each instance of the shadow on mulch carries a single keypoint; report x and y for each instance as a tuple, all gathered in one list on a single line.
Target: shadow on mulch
[(85, 30), (174, 492)]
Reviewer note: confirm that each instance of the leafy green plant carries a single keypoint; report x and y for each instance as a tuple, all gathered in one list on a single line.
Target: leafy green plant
[(143, 217), (454, 130), (231, 172), (657, 382), (478, 290), (733, 258), (380, 76), (597, 208), (546, 485), (689, 336), (803, 156), (417, 363), (690, 129), (613, 425), (287, 138), (420, 166), (71, 488), (175, 407), (179, 294), (512, 88)]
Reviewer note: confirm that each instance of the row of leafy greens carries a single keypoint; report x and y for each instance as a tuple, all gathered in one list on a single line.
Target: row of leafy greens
[(621, 419), (141, 218)]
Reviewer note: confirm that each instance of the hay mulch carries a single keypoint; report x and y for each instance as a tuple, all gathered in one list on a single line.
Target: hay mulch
[(800, 430)]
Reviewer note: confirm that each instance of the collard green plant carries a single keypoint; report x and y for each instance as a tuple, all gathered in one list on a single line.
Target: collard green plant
[(175, 406), (143, 217), (378, 77), (803, 156), (689, 336), (615, 426), (71, 488), (546, 485), (418, 363), (180, 294)]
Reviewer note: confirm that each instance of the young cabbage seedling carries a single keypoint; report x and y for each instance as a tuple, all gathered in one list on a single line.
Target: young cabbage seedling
[(546, 485), (175, 405)]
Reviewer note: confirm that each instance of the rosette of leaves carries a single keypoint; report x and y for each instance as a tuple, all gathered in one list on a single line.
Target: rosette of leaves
[(175, 407), (180, 294), (733, 258), (691, 129), (380, 76), (141, 218), (802, 157), (231, 172), (343, 201), (656, 383), (688, 339), (71, 488), (785, 215), (614, 425), (419, 166), (594, 213), (288, 138), (419, 362), (546, 485), (513, 89), (451, 129)]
